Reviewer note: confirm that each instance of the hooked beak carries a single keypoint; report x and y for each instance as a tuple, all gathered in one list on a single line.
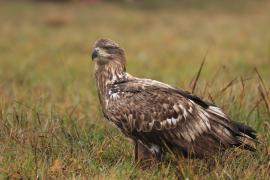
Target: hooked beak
[(94, 54)]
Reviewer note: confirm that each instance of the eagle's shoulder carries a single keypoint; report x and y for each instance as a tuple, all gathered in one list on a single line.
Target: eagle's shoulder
[(137, 85)]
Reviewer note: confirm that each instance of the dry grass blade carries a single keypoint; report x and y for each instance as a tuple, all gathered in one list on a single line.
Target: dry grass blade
[(215, 76), (205, 89), (264, 99), (261, 80), (267, 124), (194, 83), (231, 83), (242, 94), (211, 98), (254, 107), (263, 91), (228, 85)]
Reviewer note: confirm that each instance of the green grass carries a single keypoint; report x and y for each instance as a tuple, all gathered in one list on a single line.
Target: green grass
[(50, 120)]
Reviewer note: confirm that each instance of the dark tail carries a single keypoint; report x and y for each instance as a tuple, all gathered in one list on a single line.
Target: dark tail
[(245, 129), (247, 132)]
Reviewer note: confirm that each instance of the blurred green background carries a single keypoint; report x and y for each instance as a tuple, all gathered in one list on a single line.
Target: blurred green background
[(51, 123)]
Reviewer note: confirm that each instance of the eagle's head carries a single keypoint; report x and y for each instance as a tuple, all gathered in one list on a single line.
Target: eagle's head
[(107, 53)]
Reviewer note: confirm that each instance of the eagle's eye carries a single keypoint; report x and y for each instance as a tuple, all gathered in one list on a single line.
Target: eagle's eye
[(109, 47), (112, 50)]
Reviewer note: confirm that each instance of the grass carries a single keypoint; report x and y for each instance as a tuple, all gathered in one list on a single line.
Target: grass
[(50, 120)]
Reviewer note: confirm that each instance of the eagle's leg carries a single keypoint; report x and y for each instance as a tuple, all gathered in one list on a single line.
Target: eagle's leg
[(146, 157)]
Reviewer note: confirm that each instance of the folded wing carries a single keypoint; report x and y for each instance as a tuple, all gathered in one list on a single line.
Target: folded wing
[(160, 115)]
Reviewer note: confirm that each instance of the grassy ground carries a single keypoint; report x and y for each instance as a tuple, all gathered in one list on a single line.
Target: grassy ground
[(50, 121)]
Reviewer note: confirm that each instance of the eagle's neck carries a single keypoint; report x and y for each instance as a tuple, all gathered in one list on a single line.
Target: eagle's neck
[(106, 77)]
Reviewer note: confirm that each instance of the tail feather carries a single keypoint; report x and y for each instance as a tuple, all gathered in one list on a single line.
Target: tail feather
[(245, 130)]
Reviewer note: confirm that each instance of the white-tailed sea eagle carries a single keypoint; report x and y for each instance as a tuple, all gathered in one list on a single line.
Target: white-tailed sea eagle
[(159, 117)]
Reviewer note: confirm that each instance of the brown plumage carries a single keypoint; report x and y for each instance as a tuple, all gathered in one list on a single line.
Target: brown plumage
[(159, 117)]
